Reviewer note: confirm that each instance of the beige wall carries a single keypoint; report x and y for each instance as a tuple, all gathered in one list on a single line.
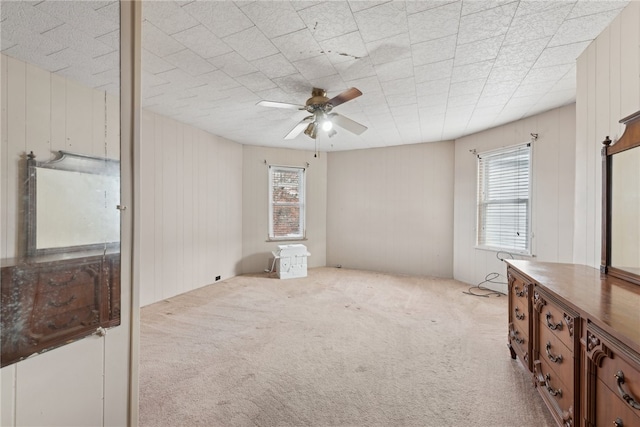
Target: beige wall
[(83, 383), (608, 89), (191, 208), (391, 209), (256, 250), (552, 192)]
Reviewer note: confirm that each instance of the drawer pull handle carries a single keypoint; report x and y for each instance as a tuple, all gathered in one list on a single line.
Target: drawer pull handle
[(623, 394), (551, 325), (519, 316), (551, 390), (618, 423), (555, 359), (62, 304), (514, 336), (519, 292)]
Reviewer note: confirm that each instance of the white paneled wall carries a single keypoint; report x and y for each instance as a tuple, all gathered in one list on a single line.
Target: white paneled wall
[(608, 89), (44, 113), (256, 250), (552, 196), (391, 209), (191, 205)]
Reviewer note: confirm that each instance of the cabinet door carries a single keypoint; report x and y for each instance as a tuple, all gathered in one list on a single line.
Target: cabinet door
[(519, 317)]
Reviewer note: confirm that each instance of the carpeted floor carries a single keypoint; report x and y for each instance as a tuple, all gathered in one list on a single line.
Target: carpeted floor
[(337, 348)]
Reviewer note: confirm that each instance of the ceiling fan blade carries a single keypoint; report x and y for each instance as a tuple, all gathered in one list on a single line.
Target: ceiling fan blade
[(297, 130), (280, 105), (345, 96), (347, 124)]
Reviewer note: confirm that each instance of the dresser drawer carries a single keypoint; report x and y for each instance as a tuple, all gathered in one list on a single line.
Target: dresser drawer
[(555, 319), (611, 410), (518, 288), (519, 341), (558, 357), (622, 379), (520, 316), (558, 395)]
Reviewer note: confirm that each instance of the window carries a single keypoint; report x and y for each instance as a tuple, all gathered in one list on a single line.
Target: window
[(286, 203), (504, 208)]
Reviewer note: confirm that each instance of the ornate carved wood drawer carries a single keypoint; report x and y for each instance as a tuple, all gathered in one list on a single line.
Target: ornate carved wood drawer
[(519, 322), (46, 304), (555, 341), (616, 381)]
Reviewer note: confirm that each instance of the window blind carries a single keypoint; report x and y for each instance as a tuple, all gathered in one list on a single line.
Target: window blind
[(286, 202), (504, 199)]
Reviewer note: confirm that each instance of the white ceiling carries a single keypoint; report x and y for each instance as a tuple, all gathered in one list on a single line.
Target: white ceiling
[(429, 70)]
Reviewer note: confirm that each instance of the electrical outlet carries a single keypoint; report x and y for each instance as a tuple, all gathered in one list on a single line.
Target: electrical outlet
[(217, 278)]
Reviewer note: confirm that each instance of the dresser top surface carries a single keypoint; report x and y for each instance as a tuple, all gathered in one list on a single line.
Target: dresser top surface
[(613, 303)]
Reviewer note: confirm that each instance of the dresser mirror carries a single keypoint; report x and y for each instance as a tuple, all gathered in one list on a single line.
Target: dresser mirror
[(621, 203), (71, 204)]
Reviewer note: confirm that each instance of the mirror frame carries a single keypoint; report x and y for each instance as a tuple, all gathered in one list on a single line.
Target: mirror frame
[(66, 161), (629, 139)]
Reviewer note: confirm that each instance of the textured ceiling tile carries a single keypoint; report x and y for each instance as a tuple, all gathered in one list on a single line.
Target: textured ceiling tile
[(344, 48), (16, 15), (26, 53), (294, 83), (190, 62), (111, 39), (157, 42), (328, 20), (584, 8), (566, 54), (32, 45), (500, 88), (400, 69), (382, 21), (475, 71), (233, 64), (398, 86), (492, 102), (481, 50), (251, 44), (432, 87), (274, 18), (81, 15), (167, 16), (400, 99), (434, 23), (150, 80), (298, 45), (390, 49), (333, 84), (434, 71), (153, 64), (585, 28), (355, 69), (275, 66), (486, 24), (470, 87), (530, 26), (462, 100), (526, 52), (469, 7), (318, 66), (434, 50), (223, 18), (366, 84), (219, 80), (545, 74), (435, 100), (202, 41), (179, 80), (66, 35), (358, 5), (515, 72), (432, 110)]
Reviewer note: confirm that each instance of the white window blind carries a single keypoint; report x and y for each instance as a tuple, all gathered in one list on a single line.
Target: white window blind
[(504, 188), (286, 203)]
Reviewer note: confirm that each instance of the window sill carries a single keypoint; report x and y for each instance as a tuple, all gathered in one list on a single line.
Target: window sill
[(293, 239), (507, 251)]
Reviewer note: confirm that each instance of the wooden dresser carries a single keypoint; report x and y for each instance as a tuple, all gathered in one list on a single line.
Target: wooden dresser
[(578, 333), (48, 301)]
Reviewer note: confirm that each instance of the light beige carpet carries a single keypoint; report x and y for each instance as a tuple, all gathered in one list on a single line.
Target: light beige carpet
[(337, 348)]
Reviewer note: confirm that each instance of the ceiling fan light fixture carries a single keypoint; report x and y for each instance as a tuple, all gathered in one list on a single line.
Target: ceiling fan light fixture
[(331, 133), (312, 130), (327, 126)]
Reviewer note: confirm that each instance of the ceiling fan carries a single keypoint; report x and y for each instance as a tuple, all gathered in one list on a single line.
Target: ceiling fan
[(321, 116)]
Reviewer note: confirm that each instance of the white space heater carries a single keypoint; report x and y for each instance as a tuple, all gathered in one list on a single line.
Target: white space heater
[(291, 261)]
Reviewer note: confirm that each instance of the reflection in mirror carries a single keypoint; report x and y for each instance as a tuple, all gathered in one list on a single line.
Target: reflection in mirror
[(625, 210), (60, 83)]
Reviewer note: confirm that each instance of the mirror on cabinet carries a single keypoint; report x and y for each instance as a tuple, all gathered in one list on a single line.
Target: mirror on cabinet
[(621, 203)]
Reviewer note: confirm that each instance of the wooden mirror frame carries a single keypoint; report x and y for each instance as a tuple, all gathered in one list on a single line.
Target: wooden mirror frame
[(629, 139)]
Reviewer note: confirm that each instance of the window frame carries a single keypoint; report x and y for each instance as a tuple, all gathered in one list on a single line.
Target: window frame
[(301, 203), (480, 201)]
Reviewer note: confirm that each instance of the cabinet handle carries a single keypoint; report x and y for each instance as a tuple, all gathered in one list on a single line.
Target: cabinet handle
[(623, 394), (553, 326), (514, 336), (519, 316), (544, 380), (519, 292), (618, 423), (555, 359)]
